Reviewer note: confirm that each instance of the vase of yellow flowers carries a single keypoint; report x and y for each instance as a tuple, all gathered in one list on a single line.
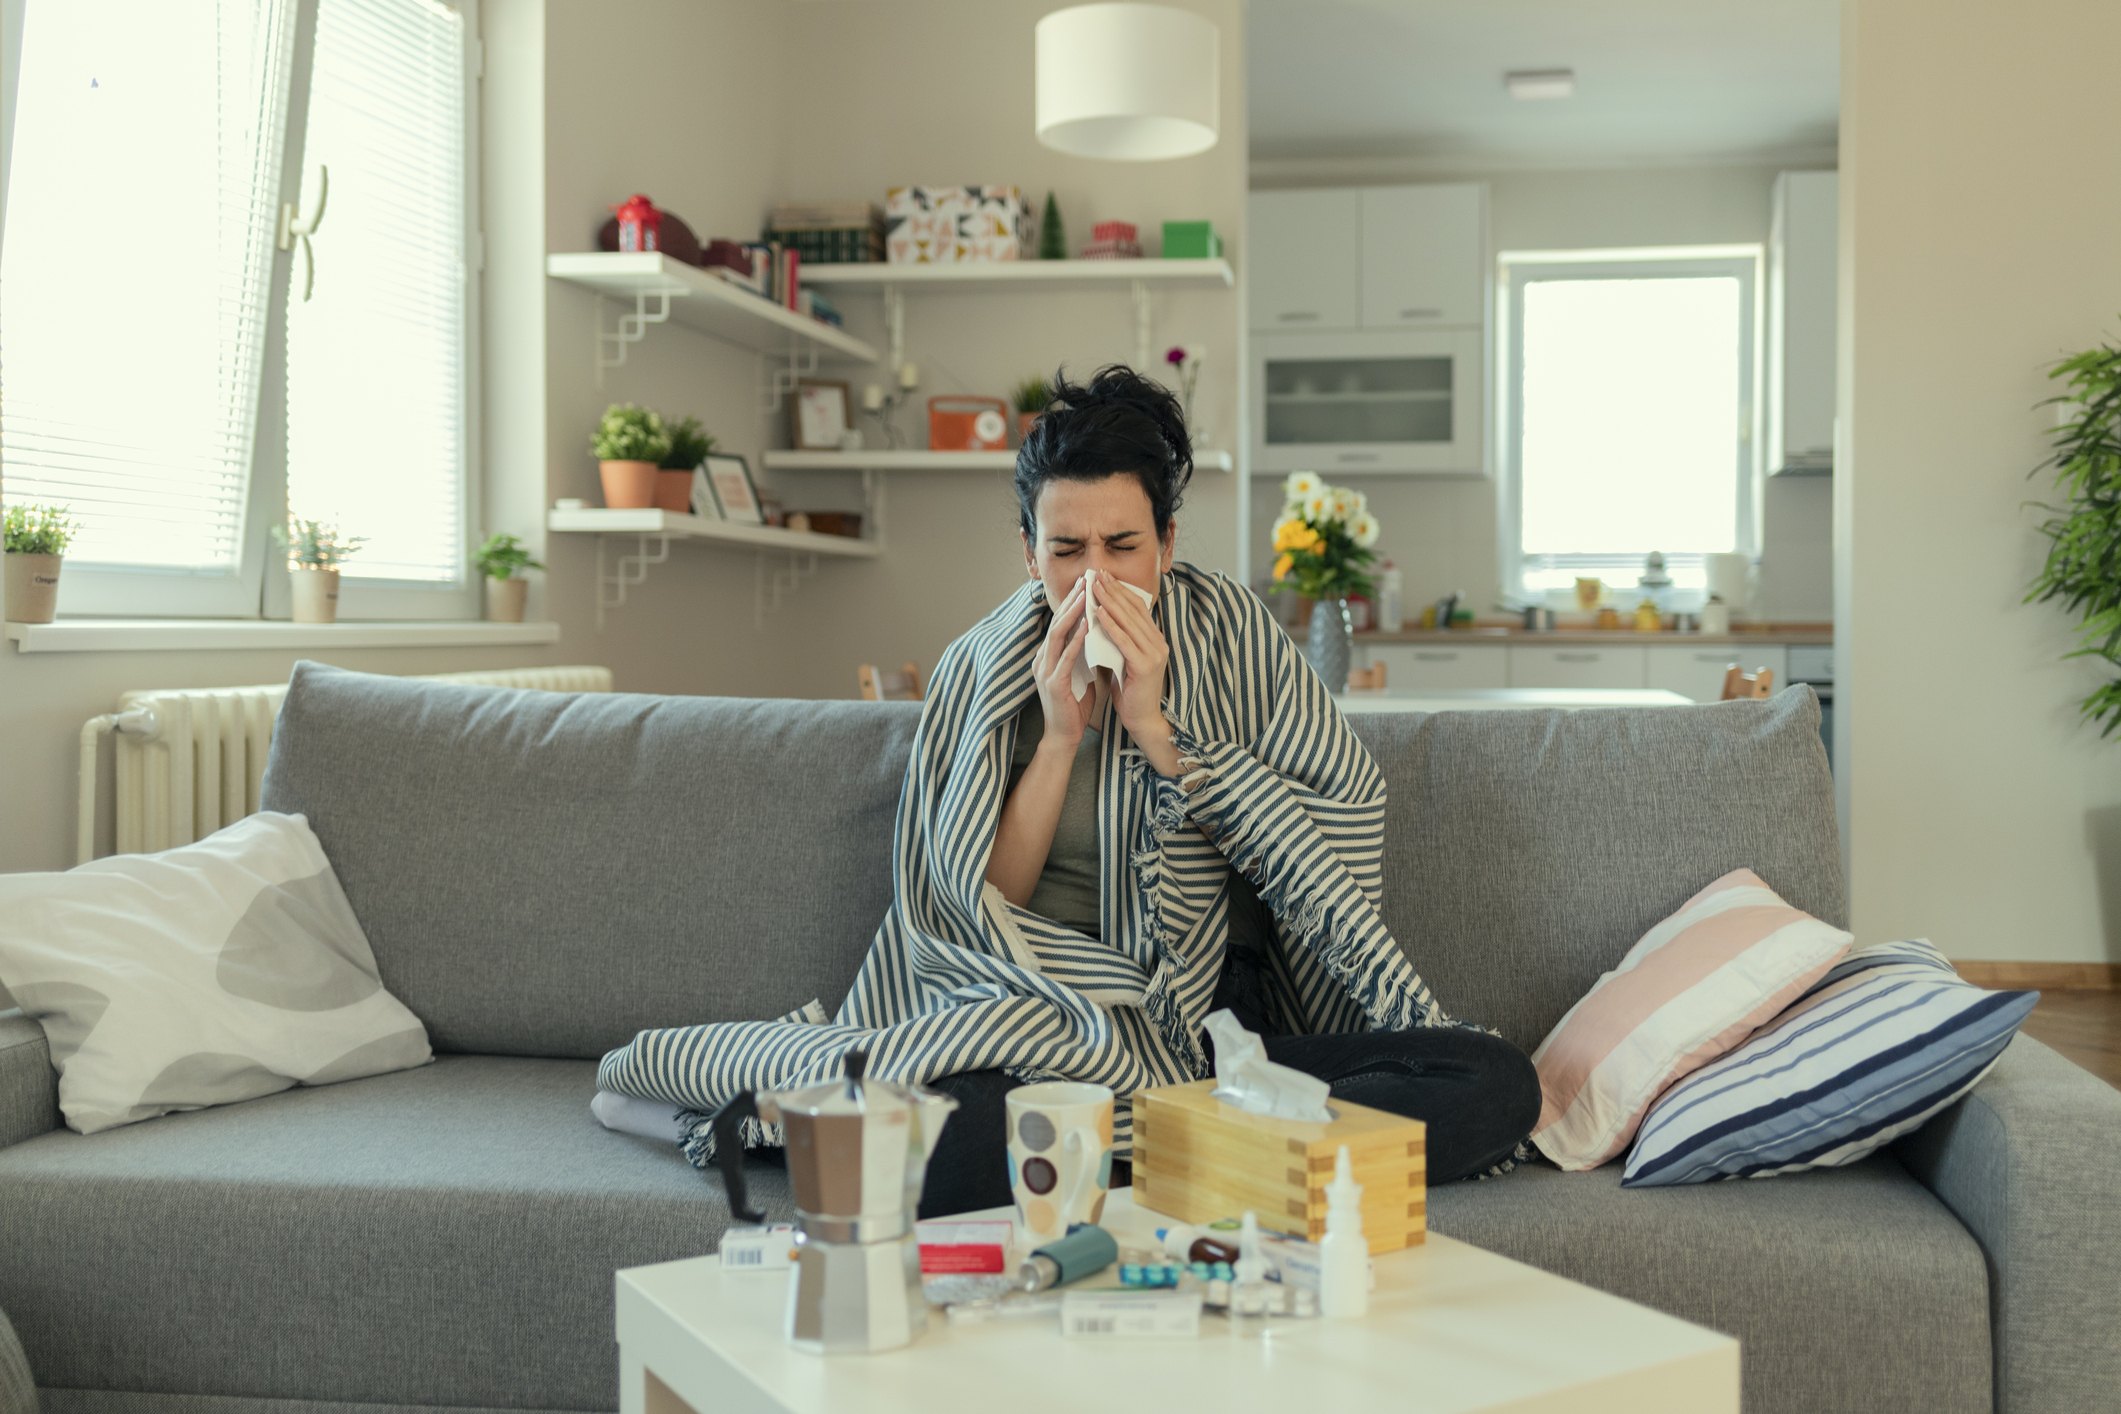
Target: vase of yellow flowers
[(1322, 545)]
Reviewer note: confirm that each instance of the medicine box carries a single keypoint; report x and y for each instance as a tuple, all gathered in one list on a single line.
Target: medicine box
[(1198, 1159), (1191, 240)]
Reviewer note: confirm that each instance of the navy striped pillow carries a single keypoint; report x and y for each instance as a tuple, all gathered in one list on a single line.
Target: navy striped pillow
[(1886, 1039)]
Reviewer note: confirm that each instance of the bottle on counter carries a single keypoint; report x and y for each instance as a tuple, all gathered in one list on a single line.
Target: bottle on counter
[(1390, 615)]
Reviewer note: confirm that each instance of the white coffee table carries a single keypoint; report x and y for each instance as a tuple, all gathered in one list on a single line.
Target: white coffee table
[(1451, 1328)]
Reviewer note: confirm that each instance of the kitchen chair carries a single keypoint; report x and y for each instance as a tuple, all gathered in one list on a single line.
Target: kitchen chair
[(1370, 679), (880, 686), (1739, 684)]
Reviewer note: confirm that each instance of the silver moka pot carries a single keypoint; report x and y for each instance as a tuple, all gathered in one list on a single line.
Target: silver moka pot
[(857, 1155)]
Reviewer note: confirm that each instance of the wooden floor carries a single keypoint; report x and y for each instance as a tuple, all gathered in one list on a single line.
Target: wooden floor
[(2085, 1026)]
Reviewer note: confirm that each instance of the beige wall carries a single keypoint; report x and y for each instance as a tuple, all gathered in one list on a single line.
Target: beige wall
[(1442, 533), (838, 100), (718, 109), (1978, 231)]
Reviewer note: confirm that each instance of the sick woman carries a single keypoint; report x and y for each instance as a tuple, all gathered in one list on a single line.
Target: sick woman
[(1130, 804)]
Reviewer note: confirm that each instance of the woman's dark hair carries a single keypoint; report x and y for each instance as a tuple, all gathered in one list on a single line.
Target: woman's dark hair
[(1117, 423)]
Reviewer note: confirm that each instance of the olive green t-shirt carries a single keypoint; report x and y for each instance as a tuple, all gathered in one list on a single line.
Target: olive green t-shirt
[(1067, 890)]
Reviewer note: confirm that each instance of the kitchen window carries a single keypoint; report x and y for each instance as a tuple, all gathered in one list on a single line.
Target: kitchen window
[(179, 380), (1628, 405)]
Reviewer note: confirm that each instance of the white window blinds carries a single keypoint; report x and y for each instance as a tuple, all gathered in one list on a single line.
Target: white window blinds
[(136, 270), (376, 366)]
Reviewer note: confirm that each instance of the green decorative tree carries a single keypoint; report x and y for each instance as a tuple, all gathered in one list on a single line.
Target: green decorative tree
[(2083, 569), (1052, 235)]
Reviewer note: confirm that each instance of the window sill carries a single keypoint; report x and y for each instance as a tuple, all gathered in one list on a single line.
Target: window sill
[(147, 635)]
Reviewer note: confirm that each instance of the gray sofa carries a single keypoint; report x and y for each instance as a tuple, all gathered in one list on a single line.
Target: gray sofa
[(542, 875)]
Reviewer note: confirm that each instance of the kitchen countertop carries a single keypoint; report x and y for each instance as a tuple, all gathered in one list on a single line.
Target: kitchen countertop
[(1780, 634)]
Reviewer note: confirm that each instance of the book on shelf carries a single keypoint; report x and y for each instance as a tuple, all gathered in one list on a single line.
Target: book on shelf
[(826, 216)]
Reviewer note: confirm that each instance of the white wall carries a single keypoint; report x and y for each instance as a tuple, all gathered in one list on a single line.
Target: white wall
[(1441, 533), (1978, 245)]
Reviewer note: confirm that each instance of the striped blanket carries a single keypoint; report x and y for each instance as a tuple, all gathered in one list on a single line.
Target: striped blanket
[(960, 979)]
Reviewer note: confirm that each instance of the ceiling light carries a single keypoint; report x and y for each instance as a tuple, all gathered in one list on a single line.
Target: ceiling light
[(1132, 83), (1533, 84)]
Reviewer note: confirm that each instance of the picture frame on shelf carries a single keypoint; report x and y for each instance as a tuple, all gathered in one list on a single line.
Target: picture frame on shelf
[(704, 504), (818, 415), (736, 495)]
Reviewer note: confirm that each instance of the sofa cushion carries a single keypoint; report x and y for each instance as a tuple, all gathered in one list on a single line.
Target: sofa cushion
[(443, 1236), (1851, 1290), (1525, 852), (544, 874)]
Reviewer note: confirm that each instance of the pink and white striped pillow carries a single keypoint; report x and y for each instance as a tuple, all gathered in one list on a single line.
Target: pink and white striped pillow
[(1728, 962)]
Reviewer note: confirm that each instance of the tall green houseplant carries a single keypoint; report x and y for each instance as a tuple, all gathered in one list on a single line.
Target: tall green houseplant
[(2083, 569)]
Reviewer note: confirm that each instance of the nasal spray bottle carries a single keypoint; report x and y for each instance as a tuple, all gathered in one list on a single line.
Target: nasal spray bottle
[(1344, 1254)]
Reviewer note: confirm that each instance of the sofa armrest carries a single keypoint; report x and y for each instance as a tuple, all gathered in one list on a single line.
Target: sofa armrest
[(2030, 1162), (29, 1087)]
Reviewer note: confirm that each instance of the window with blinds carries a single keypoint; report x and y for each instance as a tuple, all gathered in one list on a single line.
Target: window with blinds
[(145, 384), (376, 434), (136, 273)]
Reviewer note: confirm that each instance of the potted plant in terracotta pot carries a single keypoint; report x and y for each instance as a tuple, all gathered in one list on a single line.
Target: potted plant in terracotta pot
[(315, 551), (630, 444), (501, 562), (36, 538), (1029, 398), (689, 446)]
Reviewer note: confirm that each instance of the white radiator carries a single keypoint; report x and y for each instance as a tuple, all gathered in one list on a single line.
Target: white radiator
[(190, 760)]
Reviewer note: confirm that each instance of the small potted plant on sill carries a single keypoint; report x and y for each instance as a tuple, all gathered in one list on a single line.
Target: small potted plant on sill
[(689, 446), (314, 553), (501, 562), (630, 444), (36, 538), (1029, 398)]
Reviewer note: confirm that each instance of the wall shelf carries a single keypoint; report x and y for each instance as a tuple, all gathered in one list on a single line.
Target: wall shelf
[(662, 289), (986, 276), (599, 520), (920, 460), (630, 567)]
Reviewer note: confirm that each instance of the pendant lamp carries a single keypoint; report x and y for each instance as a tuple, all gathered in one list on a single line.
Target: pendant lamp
[(1129, 83)]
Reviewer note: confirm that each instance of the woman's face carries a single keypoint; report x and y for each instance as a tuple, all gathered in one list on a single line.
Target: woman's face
[(1097, 525)]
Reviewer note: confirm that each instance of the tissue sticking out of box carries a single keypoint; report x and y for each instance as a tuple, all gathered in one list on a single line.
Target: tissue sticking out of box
[(1100, 651), (1244, 1077)]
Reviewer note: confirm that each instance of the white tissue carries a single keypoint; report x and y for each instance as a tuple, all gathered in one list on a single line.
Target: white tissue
[(1099, 651), (1244, 1077)]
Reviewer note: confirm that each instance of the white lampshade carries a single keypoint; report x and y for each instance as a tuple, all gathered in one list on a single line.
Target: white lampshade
[(1132, 83)]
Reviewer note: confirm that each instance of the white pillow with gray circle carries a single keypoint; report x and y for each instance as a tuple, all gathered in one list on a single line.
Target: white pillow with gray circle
[(203, 975)]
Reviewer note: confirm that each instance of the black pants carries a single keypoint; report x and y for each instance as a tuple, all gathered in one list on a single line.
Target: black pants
[(1478, 1095)]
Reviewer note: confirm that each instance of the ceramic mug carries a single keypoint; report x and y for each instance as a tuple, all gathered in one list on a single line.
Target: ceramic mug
[(1060, 1155)]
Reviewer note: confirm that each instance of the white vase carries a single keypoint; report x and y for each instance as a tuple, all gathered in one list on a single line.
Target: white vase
[(32, 588), (505, 598), (316, 596)]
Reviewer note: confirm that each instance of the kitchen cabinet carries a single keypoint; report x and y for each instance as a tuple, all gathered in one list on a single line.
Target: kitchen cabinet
[(1304, 262), (1424, 256), (1576, 666), (1375, 401), (1698, 672), (1802, 290), (1422, 667)]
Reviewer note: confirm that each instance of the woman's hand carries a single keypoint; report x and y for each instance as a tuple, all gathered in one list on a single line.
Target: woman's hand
[(1054, 670), (1140, 696)]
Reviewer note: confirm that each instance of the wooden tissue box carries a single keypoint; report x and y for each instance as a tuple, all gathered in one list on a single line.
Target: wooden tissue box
[(1198, 1159)]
